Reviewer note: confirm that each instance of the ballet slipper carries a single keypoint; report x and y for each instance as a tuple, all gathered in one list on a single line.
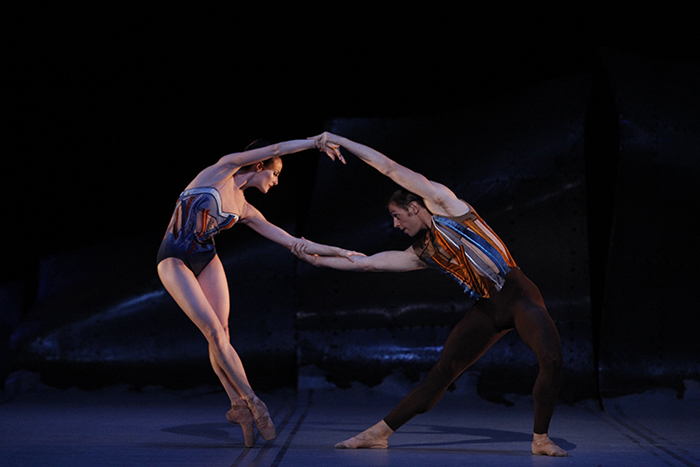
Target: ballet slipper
[(262, 417), (543, 446), (372, 438), (241, 414)]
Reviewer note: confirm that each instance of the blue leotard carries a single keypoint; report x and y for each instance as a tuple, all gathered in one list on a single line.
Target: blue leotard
[(198, 216)]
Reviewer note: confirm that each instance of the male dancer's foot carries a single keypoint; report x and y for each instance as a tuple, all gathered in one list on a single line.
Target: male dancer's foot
[(543, 446), (372, 438)]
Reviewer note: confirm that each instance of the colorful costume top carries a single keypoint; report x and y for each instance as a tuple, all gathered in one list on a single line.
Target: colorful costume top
[(466, 249), (197, 218)]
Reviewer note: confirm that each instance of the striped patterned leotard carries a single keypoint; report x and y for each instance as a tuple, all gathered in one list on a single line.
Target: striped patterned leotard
[(466, 249), (197, 218)]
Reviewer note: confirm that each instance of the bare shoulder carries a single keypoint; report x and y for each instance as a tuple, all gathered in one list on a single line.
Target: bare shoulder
[(216, 173), (444, 202)]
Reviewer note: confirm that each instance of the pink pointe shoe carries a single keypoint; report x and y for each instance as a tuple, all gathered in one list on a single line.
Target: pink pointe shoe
[(241, 414), (262, 417)]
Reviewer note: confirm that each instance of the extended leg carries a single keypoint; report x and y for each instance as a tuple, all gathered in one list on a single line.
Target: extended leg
[(213, 283), (205, 301), (468, 341), (189, 295), (244, 407), (470, 338)]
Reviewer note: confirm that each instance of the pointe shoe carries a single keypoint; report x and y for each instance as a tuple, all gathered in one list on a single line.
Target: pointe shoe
[(543, 446), (262, 418), (241, 414), (372, 438)]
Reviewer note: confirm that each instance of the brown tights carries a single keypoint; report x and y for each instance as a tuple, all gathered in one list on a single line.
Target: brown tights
[(518, 305)]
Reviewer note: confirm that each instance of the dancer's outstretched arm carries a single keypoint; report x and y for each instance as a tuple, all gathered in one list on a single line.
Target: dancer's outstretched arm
[(385, 261), (255, 220), (439, 199), (229, 164)]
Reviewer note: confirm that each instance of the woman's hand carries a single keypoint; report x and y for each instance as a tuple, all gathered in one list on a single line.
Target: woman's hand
[(347, 254), (302, 247), (299, 250), (324, 144)]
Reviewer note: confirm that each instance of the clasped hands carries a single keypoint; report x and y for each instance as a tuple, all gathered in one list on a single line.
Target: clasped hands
[(324, 144), (299, 249)]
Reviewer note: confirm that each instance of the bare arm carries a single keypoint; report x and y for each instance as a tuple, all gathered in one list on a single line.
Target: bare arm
[(438, 198), (255, 220), (385, 261), (229, 164)]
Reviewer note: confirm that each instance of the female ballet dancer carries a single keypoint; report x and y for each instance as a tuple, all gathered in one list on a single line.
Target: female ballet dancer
[(453, 238), (193, 274)]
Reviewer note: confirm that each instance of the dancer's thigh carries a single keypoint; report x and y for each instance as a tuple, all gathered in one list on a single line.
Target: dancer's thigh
[(538, 331), (215, 287), (470, 338), (183, 286)]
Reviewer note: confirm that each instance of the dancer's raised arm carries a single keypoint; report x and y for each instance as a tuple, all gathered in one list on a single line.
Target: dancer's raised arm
[(193, 274), (229, 164), (438, 198), (458, 243)]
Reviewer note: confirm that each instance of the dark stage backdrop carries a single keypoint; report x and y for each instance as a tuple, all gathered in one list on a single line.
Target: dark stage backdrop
[(519, 161), (589, 178), (651, 312)]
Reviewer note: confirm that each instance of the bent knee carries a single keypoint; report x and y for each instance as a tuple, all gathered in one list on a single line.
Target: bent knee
[(551, 363), (217, 337)]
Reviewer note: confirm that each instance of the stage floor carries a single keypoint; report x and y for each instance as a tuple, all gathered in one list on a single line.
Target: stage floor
[(119, 426)]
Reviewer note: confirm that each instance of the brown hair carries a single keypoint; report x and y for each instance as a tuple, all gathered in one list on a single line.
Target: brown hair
[(259, 143), (403, 198)]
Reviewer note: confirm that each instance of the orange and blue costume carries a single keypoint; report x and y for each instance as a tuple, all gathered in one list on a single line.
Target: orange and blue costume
[(466, 249), (197, 218)]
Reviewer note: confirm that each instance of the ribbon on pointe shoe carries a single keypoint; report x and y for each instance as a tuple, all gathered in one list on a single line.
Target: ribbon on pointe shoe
[(262, 417)]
